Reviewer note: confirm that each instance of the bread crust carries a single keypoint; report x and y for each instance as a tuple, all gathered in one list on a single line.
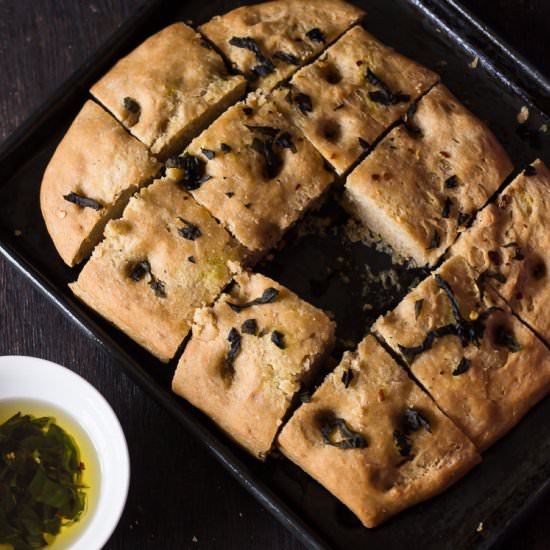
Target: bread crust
[(510, 238), (99, 160), (419, 188), (344, 121), (280, 26), (505, 378), (376, 482), (250, 400), (192, 272), (179, 86), (256, 208)]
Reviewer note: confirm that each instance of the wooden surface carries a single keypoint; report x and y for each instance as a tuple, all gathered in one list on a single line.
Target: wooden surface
[(41, 43)]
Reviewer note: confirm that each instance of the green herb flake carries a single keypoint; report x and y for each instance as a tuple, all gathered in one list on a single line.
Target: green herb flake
[(139, 270), (286, 58), (347, 377), (269, 295), (348, 438), (278, 338), (189, 231), (158, 287), (81, 201), (41, 487), (413, 420), (208, 153), (250, 326), (403, 443), (383, 94)]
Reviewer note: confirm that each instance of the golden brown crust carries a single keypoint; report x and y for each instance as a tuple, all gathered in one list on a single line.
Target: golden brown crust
[(280, 27), (250, 397), (403, 189), (344, 120), (179, 86), (509, 244), (255, 207), (191, 273), (378, 481), (509, 371), (99, 160)]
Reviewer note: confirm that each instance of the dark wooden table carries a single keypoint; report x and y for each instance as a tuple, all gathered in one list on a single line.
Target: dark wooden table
[(179, 497)]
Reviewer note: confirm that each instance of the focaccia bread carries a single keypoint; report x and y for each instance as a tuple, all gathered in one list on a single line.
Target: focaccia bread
[(89, 180), (254, 171), (351, 94), (374, 439), (162, 260), (483, 367), (269, 41), (426, 178), (169, 89), (248, 356), (508, 246)]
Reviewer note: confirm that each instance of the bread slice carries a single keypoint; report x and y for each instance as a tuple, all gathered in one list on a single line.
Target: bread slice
[(163, 259), (169, 89), (485, 372), (425, 179), (254, 171), (351, 94), (374, 439), (248, 355), (508, 246), (95, 169), (269, 41)]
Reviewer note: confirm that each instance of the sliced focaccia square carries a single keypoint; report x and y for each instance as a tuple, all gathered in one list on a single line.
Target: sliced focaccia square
[(248, 356), (351, 94), (426, 178), (169, 89), (95, 169), (508, 246), (254, 171), (374, 439), (163, 259), (483, 367), (269, 41)]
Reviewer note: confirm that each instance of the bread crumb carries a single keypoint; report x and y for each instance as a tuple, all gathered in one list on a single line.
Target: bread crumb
[(195, 539), (480, 527), (543, 128), (17, 232), (523, 115), (61, 213), (474, 63)]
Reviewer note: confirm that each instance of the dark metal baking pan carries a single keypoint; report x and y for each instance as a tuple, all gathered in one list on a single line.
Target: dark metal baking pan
[(325, 267)]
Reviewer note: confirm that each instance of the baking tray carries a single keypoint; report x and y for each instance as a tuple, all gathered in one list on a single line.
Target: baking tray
[(326, 268)]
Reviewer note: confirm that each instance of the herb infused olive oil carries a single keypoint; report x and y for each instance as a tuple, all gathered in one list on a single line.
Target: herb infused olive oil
[(49, 468)]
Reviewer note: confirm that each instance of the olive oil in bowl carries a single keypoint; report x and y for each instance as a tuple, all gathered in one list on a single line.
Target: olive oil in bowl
[(54, 448)]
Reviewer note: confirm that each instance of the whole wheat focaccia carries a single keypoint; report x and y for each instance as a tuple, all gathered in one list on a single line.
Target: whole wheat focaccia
[(351, 94), (508, 246), (254, 171), (374, 439), (162, 260), (169, 89), (483, 367), (426, 178), (92, 174), (248, 356), (269, 41)]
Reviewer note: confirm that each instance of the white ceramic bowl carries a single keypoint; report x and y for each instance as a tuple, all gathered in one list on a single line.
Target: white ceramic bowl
[(29, 378)]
